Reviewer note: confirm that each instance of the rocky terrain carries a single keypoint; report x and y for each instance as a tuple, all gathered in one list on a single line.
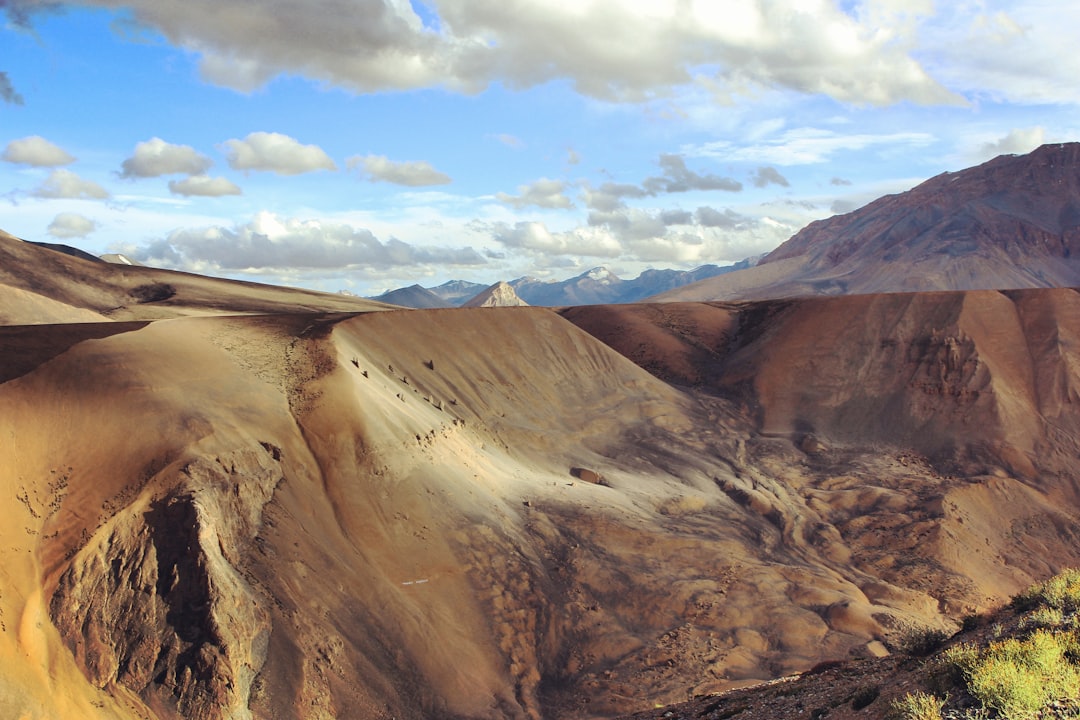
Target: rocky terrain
[(471, 513), (1013, 222)]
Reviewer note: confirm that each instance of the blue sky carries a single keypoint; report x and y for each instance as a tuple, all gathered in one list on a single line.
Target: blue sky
[(364, 145)]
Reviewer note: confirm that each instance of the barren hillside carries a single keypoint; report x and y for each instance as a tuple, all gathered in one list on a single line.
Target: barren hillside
[(490, 513), (1012, 222)]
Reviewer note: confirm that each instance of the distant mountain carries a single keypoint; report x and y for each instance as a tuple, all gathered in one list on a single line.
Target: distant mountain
[(413, 296), (501, 294), (68, 250), (120, 259), (1010, 223), (595, 287), (458, 292), (598, 286)]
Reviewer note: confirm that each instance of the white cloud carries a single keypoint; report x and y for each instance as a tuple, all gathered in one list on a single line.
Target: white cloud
[(277, 153), (37, 151), (1016, 142), (535, 237), (269, 243), (71, 225), (1021, 52), (543, 193), (205, 186), (67, 185), (607, 48), (807, 146), (155, 157), (409, 173)]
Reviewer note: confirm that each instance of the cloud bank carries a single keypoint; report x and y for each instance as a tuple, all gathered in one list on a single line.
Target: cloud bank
[(269, 243), (607, 49)]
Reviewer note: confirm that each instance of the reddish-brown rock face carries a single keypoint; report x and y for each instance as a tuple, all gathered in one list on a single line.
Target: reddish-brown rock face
[(1013, 222)]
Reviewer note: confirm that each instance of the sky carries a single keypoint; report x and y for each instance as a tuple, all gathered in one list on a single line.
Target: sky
[(365, 145)]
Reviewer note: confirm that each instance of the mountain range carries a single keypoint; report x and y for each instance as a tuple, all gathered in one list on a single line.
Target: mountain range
[(227, 500), (594, 287)]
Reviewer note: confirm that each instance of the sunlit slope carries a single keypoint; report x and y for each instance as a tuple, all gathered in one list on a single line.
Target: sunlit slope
[(467, 513), (39, 285)]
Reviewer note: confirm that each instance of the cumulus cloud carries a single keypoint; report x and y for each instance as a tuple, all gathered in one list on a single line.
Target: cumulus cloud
[(379, 168), (839, 181), (535, 237), (713, 218), (272, 243), (67, 185), (609, 196), (765, 176), (606, 49), (37, 151), (543, 193), (275, 152), (679, 178), (204, 186), (1016, 142), (71, 225), (155, 157), (7, 91)]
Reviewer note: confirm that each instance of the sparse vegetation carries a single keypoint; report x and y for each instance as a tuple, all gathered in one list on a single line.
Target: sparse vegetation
[(1019, 677), (917, 706), (1022, 676), (1061, 592), (923, 641)]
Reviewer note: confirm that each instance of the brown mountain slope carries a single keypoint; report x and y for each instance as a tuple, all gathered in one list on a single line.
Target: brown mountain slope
[(40, 285), (491, 514), (1013, 222)]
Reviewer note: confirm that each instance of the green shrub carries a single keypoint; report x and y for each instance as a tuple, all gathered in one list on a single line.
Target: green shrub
[(1044, 617), (1019, 677), (1061, 592), (917, 706)]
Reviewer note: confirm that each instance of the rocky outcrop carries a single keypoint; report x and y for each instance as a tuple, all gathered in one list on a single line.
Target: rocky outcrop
[(498, 295), (158, 601)]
